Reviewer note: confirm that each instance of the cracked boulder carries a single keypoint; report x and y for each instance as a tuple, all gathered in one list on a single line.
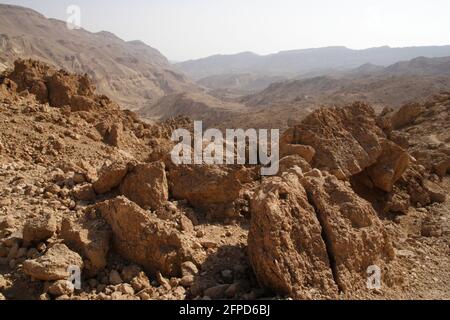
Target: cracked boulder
[(312, 233), (285, 246), (353, 233)]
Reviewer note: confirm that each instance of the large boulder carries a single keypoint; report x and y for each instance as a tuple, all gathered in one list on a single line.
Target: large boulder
[(90, 238), (142, 238), (54, 264), (352, 231), (146, 185), (285, 246), (346, 140)]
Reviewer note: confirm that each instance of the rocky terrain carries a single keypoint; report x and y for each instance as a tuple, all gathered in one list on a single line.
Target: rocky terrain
[(85, 184)]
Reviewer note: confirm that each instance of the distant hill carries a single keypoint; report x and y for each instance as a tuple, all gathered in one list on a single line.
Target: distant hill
[(391, 86), (298, 62), (132, 73)]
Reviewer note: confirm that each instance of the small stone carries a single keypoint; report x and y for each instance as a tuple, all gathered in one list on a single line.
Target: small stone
[(116, 295), (130, 272), (39, 229), (144, 296), (163, 281), (114, 278), (44, 296), (140, 282), (188, 268), (125, 288), (41, 247), (84, 192), (200, 234), (61, 288), (187, 281)]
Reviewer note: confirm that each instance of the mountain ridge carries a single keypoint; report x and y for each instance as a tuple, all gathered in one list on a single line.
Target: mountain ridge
[(297, 62)]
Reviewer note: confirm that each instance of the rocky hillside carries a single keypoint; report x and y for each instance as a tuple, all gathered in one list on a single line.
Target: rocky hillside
[(407, 81), (86, 185), (132, 73)]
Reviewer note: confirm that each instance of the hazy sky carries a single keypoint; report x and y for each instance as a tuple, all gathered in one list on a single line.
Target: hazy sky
[(187, 29)]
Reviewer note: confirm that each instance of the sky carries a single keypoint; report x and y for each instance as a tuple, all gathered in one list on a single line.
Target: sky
[(192, 29)]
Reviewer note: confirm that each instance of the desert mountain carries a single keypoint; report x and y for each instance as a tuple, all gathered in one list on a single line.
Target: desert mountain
[(391, 86), (298, 62), (132, 73)]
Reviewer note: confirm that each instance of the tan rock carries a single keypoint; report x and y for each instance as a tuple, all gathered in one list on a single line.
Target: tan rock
[(285, 247), (54, 264), (84, 192), (115, 136), (406, 115), (436, 192), (39, 228), (389, 167), (443, 167), (110, 177), (146, 185), (306, 152), (188, 268), (140, 282), (209, 187), (142, 238), (346, 140), (90, 238), (61, 288), (354, 235), (288, 162)]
